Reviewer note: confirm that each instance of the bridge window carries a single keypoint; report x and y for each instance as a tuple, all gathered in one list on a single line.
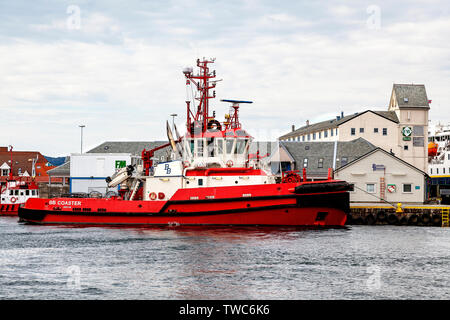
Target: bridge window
[(230, 146), (200, 147), (210, 146), (219, 146), (240, 146)]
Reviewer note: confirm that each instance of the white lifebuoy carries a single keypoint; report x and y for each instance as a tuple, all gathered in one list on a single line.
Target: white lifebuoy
[(13, 200), (229, 163), (153, 196)]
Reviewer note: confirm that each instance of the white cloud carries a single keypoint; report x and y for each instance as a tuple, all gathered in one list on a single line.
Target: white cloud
[(292, 69)]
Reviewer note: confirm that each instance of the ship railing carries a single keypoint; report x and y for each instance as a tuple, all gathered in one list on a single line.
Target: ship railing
[(435, 161)]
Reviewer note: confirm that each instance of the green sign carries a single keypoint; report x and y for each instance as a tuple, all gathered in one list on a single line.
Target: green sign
[(121, 164), (407, 131), (406, 138)]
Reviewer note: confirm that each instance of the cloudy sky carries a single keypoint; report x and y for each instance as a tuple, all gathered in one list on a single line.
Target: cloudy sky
[(115, 66)]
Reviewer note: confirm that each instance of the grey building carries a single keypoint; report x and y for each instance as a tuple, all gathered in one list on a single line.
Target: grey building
[(317, 157)]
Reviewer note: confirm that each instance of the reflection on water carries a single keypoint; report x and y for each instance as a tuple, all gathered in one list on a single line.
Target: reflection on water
[(359, 262)]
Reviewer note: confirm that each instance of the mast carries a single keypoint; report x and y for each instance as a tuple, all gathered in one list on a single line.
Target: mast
[(198, 122), (11, 168)]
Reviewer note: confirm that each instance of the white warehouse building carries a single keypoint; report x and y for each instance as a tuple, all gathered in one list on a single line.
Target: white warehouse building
[(89, 170)]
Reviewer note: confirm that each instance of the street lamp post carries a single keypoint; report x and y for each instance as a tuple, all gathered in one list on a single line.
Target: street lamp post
[(173, 115), (82, 126)]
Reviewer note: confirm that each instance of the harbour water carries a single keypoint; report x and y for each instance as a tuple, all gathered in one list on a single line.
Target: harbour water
[(357, 262)]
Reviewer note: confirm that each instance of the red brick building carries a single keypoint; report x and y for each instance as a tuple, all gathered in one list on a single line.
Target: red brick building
[(22, 164)]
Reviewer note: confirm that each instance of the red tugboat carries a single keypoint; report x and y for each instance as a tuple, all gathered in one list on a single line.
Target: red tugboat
[(15, 192), (211, 180)]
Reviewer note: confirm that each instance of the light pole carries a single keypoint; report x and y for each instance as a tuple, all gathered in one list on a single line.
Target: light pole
[(82, 126), (173, 115)]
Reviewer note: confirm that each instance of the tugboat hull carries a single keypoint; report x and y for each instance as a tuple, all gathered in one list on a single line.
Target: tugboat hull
[(9, 209), (281, 208)]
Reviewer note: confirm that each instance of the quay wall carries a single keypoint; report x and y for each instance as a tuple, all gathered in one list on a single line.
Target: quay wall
[(420, 215)]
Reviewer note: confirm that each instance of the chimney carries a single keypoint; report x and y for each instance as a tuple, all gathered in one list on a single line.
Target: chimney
[(293, 128), (307, 122), (342, 114)]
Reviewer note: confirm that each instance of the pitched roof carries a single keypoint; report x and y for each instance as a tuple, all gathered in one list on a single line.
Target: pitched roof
[(334, 123), (62, 170), (22, 160), (411, 95), (382, 150), (314, 151)]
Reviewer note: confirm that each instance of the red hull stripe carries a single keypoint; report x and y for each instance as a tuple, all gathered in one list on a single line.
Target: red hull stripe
[(288, 216)]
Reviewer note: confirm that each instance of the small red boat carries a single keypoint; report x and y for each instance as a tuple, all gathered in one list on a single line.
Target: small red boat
[(15, 192), (211, 180)]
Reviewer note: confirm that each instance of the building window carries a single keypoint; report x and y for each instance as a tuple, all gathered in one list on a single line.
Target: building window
[(303, 138), (325, 134), (407, 187), (384, 131), (331, 131), (314, 136), (405, 147), (305, 163), (448, 156), (418, 130), (418, 141), (370, 187), (320, 135), (431, 170), (352, 131), (309, 137), (443, 170), (361, 130), (320, 163), (336, 131), (437, 170), (375, 130), (344, 161)]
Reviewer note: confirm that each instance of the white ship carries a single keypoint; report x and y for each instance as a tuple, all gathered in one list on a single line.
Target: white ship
[(439, 162)]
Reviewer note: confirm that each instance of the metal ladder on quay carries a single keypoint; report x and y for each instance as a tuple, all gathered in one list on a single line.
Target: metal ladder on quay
[(445, 217)]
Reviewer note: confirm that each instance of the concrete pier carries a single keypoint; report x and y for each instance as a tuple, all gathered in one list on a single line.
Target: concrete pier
[(404, 215)]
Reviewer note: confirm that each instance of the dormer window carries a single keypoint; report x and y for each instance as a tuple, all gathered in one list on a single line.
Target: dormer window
[(405, 100)]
